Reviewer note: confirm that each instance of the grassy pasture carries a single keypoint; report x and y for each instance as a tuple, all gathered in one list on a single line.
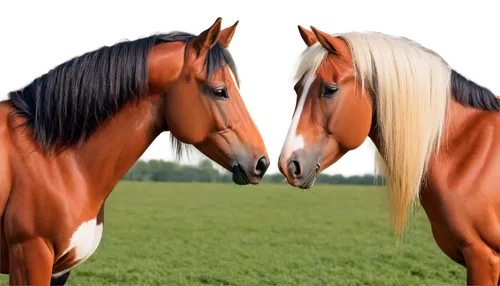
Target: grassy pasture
[(223, 234)]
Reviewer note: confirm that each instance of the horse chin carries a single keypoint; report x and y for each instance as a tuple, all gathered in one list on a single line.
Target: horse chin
[(239, 176)]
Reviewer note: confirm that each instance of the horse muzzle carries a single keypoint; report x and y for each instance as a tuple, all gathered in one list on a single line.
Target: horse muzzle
[(299, 169), (245, 173)]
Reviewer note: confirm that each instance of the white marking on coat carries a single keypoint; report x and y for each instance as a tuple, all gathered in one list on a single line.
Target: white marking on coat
[(294, 141), (84, 241)]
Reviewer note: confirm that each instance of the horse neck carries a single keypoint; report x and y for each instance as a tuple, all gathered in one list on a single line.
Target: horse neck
[(113, 149), (457, 118)]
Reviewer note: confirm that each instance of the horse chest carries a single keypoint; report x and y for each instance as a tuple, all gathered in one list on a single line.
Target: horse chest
[(82, 244)]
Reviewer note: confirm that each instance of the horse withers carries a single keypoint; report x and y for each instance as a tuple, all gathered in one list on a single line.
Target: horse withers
[(437, 132), (67, 138)]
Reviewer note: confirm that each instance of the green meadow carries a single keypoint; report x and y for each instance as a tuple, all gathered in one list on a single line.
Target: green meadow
[(269, 234)]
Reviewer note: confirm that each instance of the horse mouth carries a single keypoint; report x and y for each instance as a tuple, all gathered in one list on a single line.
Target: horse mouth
[(239, 176), (309, 182)]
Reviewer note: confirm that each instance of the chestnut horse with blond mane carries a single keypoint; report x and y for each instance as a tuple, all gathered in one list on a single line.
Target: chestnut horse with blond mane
[(437, 132), (68, 137)]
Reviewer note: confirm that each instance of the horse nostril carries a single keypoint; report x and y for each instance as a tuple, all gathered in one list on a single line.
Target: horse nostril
[(261, 167), (294, 169)]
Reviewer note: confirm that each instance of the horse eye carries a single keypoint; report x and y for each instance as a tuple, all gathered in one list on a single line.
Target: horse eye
[(330, 90), (220, 93)]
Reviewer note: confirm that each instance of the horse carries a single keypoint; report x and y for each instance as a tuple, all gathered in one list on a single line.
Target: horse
[(436, 133), (67, 138)]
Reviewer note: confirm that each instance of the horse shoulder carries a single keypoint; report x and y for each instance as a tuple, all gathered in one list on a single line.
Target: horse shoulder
[(5, 180), (464, 192), (484, 195), (487, 136), (477, 195), (5, 151)]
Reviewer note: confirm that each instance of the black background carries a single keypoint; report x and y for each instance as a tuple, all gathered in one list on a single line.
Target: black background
[(31, 45)]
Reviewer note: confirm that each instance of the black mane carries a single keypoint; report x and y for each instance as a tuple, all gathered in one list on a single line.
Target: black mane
[(66, 105), (470, 94)]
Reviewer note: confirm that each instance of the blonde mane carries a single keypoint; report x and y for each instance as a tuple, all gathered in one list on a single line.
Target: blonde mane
[(411, 86)]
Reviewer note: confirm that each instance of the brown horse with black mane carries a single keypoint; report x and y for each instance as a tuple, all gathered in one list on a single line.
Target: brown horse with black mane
[(437, 132), (67, 138)]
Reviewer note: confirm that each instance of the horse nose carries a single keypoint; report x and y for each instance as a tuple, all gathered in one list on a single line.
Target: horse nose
[(261, 167), (294, 168)]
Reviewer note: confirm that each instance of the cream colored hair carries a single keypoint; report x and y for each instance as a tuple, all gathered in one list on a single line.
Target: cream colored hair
[(411, 86)]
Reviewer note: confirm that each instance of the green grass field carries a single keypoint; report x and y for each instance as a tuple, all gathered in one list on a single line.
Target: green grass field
[(213, 234)]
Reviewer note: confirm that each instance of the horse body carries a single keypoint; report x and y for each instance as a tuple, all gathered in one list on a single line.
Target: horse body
[(53, 194), (436, 131), (461, 197), (67, 192)]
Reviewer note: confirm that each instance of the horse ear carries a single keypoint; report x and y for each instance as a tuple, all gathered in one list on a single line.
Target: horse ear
[(227, 34), (208, 38), (329, 42), (308, 36)]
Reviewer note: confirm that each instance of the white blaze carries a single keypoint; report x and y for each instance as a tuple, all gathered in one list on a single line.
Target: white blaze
[(294, 141), (234, 80)]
